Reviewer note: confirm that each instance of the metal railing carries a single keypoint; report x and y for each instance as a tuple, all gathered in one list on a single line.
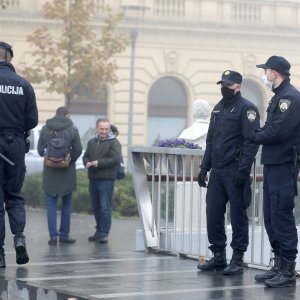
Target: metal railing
[(172, 206)]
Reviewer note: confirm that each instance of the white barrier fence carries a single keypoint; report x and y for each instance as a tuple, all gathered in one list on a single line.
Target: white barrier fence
[(172, 206)]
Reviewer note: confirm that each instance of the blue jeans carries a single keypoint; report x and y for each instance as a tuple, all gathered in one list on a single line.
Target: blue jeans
[(101, 197), (65, 219)]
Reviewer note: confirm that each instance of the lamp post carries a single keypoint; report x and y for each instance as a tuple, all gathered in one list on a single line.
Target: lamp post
[(135, 13)]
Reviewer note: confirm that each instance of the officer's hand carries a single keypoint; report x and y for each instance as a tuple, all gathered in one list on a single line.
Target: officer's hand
[(241, 179), (201, 178)]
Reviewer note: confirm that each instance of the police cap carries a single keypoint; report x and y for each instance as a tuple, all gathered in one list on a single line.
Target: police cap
[(7, 48), (230, 77), (277, 63)]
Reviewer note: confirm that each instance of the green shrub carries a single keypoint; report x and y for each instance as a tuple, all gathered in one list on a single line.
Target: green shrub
[(123, 203), (33, 191)]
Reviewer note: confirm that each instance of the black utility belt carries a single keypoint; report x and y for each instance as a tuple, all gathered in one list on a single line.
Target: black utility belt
[(9, 135)]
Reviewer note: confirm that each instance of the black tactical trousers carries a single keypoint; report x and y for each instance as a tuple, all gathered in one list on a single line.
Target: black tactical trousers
[(11, 182), (279, 203), (221, 189)]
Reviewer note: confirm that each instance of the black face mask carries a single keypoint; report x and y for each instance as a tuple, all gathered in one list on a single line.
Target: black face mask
[(227, 93)]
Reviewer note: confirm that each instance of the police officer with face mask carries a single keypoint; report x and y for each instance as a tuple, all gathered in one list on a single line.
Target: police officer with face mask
[(280, 138), (229, 155), (18, 114)]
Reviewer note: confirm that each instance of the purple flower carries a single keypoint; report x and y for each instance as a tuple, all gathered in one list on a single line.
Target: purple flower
[(177, 143)]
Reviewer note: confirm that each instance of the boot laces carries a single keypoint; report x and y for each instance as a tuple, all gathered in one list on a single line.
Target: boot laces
[(274, 262)]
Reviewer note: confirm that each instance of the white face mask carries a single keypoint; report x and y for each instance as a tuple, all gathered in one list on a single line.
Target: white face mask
[(265, 80)]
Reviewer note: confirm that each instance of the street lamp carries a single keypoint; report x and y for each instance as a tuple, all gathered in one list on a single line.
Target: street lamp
[(135, 13)]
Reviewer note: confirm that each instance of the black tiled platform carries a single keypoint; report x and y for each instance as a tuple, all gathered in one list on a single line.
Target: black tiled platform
[(88, 270)]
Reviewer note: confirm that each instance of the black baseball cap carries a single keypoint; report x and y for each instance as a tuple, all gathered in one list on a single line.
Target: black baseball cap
[(7, 48), (277, 63), (230, 77)]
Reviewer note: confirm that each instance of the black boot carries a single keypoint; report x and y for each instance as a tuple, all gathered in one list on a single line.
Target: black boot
[(2, 259), (236, 264), (218, 262), (285, 277), (272, 272), (21, 252)]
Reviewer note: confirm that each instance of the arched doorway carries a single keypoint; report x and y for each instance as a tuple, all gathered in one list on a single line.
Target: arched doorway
[(252, 91), (167, 109)]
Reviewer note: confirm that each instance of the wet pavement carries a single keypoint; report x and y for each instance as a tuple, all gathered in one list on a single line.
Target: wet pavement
[(88, 270)]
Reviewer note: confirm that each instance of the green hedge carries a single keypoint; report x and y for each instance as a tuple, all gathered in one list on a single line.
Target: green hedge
[(123, 204)]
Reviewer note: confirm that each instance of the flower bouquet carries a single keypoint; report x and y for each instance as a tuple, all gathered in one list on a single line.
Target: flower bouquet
[(178, 143)]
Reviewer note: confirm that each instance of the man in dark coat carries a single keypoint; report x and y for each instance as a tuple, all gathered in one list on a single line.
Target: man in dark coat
[(60, 182), (101, 158), (18, 115)]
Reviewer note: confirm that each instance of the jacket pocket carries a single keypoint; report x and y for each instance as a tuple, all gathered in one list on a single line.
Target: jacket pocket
[(284, 195)]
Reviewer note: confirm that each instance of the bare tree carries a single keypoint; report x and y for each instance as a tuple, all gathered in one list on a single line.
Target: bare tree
[(77, 61)]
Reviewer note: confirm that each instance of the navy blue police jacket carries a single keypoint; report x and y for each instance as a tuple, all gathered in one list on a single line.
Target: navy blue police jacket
[(281, 131), (228, 134), (18, 109)]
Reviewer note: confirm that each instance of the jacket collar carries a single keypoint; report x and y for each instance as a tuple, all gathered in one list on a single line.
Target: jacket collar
[(6, 65), (283, 84)]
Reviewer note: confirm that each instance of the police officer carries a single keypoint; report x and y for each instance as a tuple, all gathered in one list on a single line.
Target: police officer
[(279, 136), (229, 155), (18, 114)]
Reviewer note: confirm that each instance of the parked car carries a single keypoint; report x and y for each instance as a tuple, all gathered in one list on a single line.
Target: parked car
[(33, 162)]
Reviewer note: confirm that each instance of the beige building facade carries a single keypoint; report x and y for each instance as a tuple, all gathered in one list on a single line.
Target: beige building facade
[(182, 48)]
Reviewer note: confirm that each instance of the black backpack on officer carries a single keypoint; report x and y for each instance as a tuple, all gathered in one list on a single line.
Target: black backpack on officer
[(58, 154)]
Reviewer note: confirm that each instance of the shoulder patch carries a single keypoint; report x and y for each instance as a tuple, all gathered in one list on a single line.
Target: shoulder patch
[(251, 115), (284, 104)]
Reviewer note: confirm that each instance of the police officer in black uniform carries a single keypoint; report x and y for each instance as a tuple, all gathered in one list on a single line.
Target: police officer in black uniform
[(18, 114), (279, 137), (229, 155)]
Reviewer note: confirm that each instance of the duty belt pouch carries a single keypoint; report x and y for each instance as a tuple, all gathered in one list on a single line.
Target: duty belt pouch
[(27, 145), (9, 136)]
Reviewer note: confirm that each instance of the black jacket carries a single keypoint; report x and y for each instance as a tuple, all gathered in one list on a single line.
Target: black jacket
[(228, 134), (18, 110), (108, 152), (282, 128)]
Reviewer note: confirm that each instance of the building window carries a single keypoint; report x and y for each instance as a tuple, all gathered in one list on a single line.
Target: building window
[(167, 110), (169, 8), (90, 103), (86, 108)]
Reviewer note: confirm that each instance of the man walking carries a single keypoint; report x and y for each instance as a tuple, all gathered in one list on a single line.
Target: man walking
[(18, 115)]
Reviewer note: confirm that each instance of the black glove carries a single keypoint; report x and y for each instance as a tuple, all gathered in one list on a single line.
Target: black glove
[(241, 179), (201, 178)]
